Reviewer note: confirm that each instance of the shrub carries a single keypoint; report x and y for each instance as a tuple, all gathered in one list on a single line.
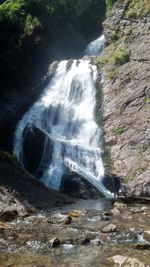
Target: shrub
[(120, 57)]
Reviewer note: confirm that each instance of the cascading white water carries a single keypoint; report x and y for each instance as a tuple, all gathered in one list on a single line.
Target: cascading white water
[(95, 47), (65, 113)]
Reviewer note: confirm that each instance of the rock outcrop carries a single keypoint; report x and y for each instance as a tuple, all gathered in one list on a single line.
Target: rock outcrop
[(20, 191), (34, 143), (74, 185), (125, 76)]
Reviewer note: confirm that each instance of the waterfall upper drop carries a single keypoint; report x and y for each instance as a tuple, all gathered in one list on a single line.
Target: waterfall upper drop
[(65, 114), (95, 47)]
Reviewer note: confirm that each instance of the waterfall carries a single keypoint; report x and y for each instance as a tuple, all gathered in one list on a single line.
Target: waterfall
[(65, 113), (95, 47)]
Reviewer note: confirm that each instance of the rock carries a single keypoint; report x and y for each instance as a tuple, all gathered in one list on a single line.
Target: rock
[(54, 243), (5, 226), (142, 246), (109, 228), (123, 261), (135, 210), (112, 183), (21, 192), (115, 211), (76, 186), (120, 205), (126, 90), (147, 235), (144, 208), (68, 220), (77, 213), (86, 241), (34, 143), (8, 215)]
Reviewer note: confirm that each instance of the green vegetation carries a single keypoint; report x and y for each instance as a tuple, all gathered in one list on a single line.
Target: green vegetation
[(120, 57), (110, 3), (8, 158), (112, 74), (118, 130), (143, 165), (148, 100), (138, 8), (29, 30)]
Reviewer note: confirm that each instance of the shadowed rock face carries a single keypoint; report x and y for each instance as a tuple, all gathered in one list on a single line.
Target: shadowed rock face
[(76, 186), (112, 183), (34, 142), (24, 190)]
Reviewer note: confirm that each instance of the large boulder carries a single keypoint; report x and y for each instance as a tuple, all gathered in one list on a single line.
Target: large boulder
[(20, 190), (74, 185), (34, 143)]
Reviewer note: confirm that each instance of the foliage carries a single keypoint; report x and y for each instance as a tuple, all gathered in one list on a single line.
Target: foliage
[(120, 57), (118, 130), (138, 8), (33, 25), (110, 3)]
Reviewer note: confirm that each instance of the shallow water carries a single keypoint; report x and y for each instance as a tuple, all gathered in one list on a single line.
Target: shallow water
[(82, 242)]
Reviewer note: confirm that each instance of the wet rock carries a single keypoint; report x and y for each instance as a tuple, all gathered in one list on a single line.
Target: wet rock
[(85, 241), (147, 235), (144, 208), (76, 186), (35, 142), (142, 246), (135, 210), (78, 213), (123, 261), (106, 217), (22, 192), (8, 215), (68, 220), (112, 183), (120, 205), (54, 243), (109, 228)]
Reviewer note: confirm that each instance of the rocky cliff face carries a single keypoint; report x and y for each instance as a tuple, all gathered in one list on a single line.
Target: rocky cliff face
[(125, 77)]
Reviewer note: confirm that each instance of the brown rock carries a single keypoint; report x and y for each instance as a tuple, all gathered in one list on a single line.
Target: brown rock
[(109, 228), (115, 211), (123, 261)]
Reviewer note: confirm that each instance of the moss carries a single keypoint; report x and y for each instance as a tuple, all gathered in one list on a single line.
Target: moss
[(118, 130), (112, 74), (109, 4), (5, 156), (115, 35), (138, 8), (148, 100)]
